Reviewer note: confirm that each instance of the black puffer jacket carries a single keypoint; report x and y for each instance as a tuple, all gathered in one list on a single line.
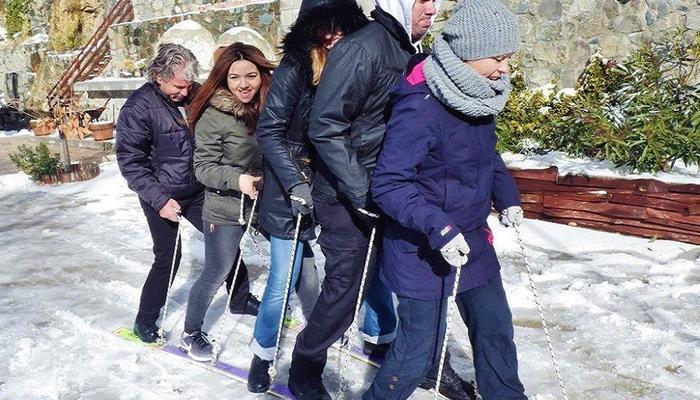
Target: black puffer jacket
[(283, 124), (348, 116), (155, 148)]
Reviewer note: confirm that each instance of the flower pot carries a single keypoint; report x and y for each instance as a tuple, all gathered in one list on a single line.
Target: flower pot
[(42, 127), (102, 130)]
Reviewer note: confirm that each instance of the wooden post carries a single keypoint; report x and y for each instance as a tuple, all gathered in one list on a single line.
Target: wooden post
[(64, 150)]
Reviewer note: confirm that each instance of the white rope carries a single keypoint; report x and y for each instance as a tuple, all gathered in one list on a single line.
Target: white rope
[(161, 332), (539, 309), (272, 370), (241, 217), (218, 337), (443, 352), (353, 328)]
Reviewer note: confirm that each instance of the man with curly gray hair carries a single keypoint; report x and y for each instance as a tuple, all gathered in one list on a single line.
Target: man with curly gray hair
[(155, 150)]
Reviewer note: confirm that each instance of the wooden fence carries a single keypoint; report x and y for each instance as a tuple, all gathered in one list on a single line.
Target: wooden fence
[(640, 207)]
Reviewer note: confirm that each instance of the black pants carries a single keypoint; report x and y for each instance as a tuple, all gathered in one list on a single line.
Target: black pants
[(345, 246), (163, 233)]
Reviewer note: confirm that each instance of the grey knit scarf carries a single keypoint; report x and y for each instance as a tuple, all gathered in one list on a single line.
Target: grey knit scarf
[(458, 86)]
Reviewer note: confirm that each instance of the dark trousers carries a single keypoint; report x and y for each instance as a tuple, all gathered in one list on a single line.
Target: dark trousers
[(345, 246), (163, 233), (418, 343)]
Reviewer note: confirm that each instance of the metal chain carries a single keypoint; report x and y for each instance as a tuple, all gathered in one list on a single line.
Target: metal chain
[(272, 370), (219, 335), (161, 332), (539, 309), (450, 312), (353, 328)]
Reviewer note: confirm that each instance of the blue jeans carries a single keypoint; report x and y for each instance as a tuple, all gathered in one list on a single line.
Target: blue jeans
[(221, 244), (418, 342), (379, 326), (271, 305)]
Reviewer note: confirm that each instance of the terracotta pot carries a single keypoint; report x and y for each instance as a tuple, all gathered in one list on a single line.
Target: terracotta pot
[(102, 130), (42, 127)]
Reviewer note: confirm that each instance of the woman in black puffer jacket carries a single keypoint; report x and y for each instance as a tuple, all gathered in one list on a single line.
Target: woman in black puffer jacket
[(287, 160)]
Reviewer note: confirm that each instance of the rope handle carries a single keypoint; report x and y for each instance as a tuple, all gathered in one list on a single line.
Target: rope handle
[(171, 278)]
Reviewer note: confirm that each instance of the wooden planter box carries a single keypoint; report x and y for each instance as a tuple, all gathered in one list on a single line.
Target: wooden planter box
[(77, 172), (639, 207), (42, 127), (102, 130)]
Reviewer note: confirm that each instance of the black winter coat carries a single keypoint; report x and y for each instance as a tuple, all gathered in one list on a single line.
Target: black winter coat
[(348, 118), (155, 148), (283, 124)]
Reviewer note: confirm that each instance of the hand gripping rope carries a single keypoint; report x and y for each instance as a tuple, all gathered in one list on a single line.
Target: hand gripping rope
[(450, 312), (272, 370), (161, 332), (218, 336), (353, 328), (539, 309)]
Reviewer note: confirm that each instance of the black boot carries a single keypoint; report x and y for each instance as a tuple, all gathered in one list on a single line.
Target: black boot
[(258, 377), (308, 389), (249, 305), (147, 333), (377, 351), (451, 385)]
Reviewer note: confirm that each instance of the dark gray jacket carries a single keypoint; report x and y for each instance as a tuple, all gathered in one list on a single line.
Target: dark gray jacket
[(225, 150), (348, 118)]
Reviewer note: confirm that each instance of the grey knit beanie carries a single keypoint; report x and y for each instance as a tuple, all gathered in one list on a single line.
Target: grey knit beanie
[(481, 29)]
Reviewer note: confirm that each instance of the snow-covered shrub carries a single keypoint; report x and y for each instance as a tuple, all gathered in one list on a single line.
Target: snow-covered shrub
[(643, 113), (36, 162)]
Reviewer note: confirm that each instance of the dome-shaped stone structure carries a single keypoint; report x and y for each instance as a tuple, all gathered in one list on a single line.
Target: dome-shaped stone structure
[(192, 35), (248, 36)]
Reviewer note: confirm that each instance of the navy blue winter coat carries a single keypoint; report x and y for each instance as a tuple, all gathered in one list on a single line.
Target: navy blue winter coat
[(155, 148), (438, 174)]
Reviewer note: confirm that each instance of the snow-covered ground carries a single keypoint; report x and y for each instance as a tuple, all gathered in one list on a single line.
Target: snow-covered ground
[(21, 132), (623, 312)]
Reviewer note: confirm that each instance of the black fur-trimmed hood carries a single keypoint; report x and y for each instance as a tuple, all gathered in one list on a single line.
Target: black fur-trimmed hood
[(345, 15)]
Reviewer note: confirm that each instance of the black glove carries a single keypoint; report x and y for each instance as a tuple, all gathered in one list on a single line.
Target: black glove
[(302, 203), (367, 218)]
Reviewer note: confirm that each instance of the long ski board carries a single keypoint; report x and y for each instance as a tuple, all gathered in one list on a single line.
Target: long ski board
[(221, 368), (353, 351)]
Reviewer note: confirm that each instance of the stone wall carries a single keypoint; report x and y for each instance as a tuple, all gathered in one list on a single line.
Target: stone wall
[(201, 31), (559, 36)]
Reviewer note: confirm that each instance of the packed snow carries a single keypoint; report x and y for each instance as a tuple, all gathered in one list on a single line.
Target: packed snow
[(21, 132), (622, 311), (567, 165)]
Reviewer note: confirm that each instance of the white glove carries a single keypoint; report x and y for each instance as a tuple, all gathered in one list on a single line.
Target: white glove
[(512, 216), (455, 251)]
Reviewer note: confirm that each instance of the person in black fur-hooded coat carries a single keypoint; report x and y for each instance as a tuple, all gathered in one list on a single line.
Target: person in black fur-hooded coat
[(282, 136)]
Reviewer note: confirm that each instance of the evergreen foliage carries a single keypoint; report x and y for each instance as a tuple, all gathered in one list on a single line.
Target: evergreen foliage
[(643, 113), (36, 162), (17, 16)]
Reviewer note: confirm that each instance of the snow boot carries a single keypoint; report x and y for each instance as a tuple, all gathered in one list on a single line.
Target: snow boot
[(147, 333), (375, 350), (197, 345), (305, 389), (451, 385), (248, 305), (258, 377)]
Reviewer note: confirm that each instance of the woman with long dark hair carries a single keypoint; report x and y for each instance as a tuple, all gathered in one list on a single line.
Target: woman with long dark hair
[(227, 161), (282, 135)]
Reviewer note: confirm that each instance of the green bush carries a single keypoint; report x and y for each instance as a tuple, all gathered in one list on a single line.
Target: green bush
[(36, 162), (16, 16), (643, 113)]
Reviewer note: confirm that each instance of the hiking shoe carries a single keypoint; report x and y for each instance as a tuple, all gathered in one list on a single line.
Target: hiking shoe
[(197, 345), (258, 375), (147, 333), (451, 385), (249, 305)]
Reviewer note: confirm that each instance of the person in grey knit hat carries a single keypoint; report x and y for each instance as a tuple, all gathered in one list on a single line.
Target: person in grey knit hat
[(437, 178)]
